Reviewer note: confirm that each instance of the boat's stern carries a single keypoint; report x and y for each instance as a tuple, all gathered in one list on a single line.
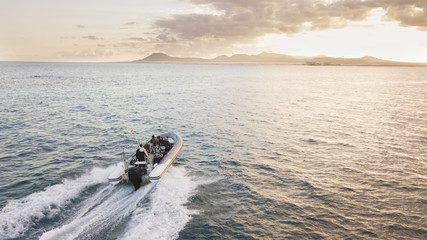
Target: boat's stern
[(117, 175)]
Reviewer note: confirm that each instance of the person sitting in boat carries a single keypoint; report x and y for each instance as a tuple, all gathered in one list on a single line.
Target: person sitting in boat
[(157, 154), (157, 141), (147, 148), (165, 142)]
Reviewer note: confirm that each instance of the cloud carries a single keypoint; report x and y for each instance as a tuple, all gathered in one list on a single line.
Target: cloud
[(164, 37), (411, 14), (130, 23), (249, 19), (80, 26), (91, 37), (138, 39)]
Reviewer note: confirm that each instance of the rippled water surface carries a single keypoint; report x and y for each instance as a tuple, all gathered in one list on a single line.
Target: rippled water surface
[(270, 152)]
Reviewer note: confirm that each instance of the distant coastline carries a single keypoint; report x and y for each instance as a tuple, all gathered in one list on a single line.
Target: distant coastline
[(276, 59)]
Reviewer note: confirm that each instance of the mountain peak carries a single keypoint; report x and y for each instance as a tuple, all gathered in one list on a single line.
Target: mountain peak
[(369, 58), (157, 57)]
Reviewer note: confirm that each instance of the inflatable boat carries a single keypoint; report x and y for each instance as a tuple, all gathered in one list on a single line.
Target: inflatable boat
[(150, 164)]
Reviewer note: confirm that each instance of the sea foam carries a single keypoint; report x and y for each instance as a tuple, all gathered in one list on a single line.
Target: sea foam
[(19, 215), (166, 214), (156, 211)]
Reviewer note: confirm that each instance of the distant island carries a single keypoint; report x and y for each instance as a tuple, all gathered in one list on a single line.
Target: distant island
[(273, 58)]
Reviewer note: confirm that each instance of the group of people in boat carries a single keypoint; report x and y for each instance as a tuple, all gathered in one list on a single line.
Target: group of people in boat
[(156, 148), (153, 150)]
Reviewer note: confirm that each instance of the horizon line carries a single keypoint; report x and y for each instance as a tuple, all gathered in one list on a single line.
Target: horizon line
[(405, 63)]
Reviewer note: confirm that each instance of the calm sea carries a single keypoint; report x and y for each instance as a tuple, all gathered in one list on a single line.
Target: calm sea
[(270, 152)]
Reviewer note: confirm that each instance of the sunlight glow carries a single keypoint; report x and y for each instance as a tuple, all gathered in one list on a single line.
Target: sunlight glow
[(371, 37)]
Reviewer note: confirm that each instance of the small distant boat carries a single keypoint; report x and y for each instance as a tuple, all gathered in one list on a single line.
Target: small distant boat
[(140, 172)]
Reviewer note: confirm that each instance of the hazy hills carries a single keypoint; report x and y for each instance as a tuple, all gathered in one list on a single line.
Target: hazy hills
[(273, 58)]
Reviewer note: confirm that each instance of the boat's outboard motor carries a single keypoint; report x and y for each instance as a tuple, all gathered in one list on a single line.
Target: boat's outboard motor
[(135, 175)]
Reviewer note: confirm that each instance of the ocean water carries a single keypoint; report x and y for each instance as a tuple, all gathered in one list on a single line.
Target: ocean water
[(270, 152)]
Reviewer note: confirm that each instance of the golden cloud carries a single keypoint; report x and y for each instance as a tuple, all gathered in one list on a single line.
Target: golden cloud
[(254, 18)]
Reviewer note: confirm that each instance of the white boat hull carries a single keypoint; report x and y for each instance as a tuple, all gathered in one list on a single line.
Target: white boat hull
[(168, 159)]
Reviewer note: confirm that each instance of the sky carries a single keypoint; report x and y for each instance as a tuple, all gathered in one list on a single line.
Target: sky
[(126, 30)]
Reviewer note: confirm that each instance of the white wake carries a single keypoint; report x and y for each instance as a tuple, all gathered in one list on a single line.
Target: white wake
[(19, 215), (166, 214), (156, 211)]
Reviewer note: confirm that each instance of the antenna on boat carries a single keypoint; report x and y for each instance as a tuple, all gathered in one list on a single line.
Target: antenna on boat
[(124, 160)]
